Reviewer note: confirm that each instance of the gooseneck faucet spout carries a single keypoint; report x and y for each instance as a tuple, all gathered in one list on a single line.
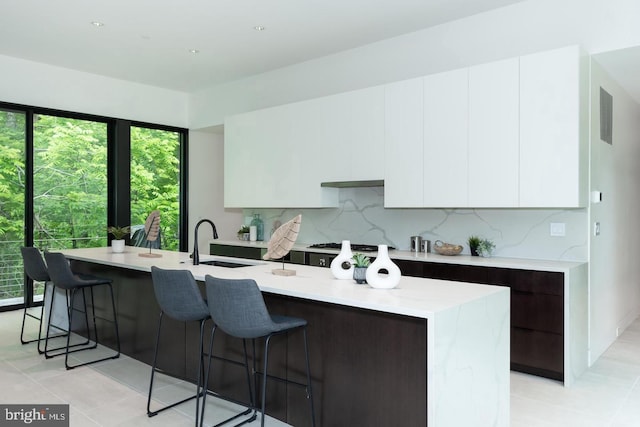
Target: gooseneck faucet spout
[(196, 254)]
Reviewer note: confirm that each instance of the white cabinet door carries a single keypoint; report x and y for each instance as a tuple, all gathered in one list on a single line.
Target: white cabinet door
[(446, 112), (353, 123), (277, 157), (244, 161), (403, 174), (552, 159), (272, 160), (494, 134)]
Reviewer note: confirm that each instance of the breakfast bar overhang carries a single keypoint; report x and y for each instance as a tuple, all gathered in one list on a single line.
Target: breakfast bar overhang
[(429, 352)]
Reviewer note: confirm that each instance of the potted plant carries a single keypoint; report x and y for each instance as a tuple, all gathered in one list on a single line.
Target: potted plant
[(360, 264), (474, 241), (485, 248), (118, 233), (243, 233)]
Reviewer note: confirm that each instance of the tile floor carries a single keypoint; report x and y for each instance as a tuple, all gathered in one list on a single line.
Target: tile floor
[(113, 393), (109, 393)]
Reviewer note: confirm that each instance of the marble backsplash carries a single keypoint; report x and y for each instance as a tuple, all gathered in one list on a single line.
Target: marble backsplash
[(362, 218)]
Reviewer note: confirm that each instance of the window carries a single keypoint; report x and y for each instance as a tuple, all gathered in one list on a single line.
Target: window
[(65, 176), (12, 207), (155, 181), (69, 183)]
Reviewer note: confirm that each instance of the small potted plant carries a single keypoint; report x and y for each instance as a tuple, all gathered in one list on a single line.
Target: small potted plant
[(473, 241), (118, 233), (243, 233), (360, 264), (485, 248)]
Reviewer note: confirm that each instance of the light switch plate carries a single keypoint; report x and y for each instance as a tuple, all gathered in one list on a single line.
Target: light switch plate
[(596, 228), (557, 229)]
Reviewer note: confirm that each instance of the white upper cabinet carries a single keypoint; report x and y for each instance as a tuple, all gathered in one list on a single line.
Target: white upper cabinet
[(553, 129), (404, 168), (446, 128), (494, 134), (266, 163), (278, 157), (505, 134)]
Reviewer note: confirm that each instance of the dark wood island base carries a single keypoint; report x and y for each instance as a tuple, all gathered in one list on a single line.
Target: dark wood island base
[(369, 368)]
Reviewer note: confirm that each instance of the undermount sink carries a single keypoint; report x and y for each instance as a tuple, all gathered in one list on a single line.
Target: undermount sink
[(227, 264)]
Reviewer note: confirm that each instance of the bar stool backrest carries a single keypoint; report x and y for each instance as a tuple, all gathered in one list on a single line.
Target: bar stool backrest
[(34, 265), (60, 271), (178, 295), (238, 308)]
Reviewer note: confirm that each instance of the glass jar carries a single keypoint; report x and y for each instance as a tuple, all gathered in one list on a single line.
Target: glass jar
[(259, 227)]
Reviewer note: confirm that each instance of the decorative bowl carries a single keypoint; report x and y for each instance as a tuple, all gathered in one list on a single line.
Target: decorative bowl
[(446, 248)]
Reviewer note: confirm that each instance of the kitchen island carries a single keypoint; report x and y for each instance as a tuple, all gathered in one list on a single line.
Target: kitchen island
[(429, 352)]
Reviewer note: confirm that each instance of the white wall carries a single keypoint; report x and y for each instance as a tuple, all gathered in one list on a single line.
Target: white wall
[(530, 26), (614, 254), (206, 190), (41, 85)]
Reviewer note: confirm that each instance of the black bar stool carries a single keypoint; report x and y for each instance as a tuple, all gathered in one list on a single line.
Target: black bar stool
[(36, 270), (63, 278), (237, 307)]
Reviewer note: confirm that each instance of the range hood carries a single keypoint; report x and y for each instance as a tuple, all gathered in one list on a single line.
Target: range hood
[(353, 184)]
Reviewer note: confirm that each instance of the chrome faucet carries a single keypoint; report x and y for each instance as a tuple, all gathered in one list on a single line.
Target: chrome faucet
[(196, 254)]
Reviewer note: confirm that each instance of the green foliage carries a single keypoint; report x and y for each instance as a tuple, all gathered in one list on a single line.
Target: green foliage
[(69, 182), (70, 186), (473, 241), (360, 260), (155, 177), (485, 247), (119, 233)]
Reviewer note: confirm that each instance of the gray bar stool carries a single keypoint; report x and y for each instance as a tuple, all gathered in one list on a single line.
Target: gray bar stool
[(237, 307), (63, 278), (180, 298)]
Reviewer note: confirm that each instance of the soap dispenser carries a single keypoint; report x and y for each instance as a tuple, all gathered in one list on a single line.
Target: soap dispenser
[(259, 226)]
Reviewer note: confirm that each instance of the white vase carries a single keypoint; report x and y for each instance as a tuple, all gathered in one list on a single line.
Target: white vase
[(382, 261), (344, 257), (117, 246)]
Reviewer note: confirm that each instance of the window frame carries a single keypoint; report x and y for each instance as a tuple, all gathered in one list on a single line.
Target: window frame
[(118, 173)]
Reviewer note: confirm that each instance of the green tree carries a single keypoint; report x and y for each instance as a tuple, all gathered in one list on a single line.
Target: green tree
[(70, 186), (70, 182), (12, 184), (155, 178)]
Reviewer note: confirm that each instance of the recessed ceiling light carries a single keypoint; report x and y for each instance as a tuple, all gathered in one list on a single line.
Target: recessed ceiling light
[(259, 28), (194, 51), (97, 24)]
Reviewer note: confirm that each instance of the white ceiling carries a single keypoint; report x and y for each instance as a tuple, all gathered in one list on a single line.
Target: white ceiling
[(148, 41)]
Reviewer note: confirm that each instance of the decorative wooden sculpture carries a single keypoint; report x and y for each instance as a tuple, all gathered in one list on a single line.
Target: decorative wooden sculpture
[(281, 243), (152, 230)]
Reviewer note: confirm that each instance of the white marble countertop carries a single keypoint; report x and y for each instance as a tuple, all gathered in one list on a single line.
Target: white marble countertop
[(412, 297), (499, 262)]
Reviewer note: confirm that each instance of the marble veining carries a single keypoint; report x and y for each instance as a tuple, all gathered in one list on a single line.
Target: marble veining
[(362, 218)]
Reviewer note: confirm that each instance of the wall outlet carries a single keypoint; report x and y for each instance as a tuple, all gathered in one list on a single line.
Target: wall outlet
[(557, 229), (596, 228)]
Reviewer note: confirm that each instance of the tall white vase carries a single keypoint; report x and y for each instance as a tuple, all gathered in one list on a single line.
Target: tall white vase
[(345, 255), (382, 261)]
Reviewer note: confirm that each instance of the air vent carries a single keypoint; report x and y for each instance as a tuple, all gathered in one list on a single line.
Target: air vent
[(606, 116)]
